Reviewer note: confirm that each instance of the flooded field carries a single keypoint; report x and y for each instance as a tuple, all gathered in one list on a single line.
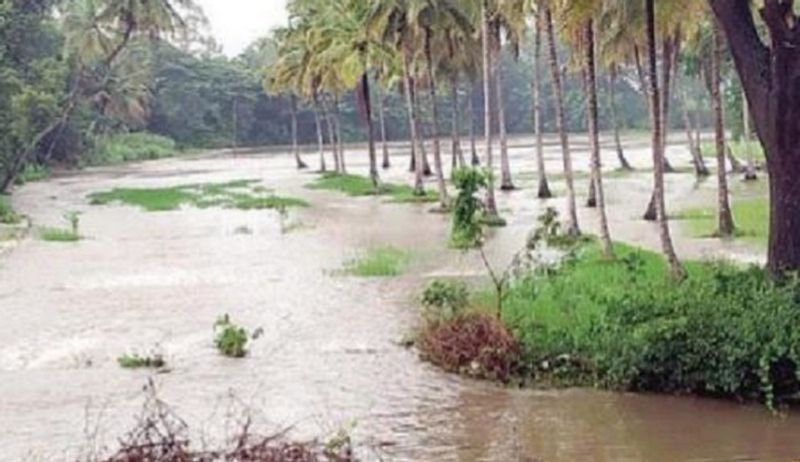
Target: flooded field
[(330, 353)]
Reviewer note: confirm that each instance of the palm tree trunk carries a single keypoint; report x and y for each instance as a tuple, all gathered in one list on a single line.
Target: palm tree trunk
[(668, 49), (473, 145), (544, 187), (423, 139), (612, 96), (676, 270), (320, 136), (726, 226), (591, 199), (490, 204), (506, 184), (437, 149), (700, 168), (750, 170), (337, 164), (382, 118), (419, 185), (373, 158), (295, 146), (572, 228), (338, 127), (594, 137), (458, 154)]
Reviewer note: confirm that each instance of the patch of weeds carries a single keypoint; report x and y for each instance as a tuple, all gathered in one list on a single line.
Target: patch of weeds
[(135, 361), (7, 214), (492, 221), (360, 186), (237, 194), (230, 339), (750, 216), (71, 234), (31, 173), (444, 300), (378, 262)]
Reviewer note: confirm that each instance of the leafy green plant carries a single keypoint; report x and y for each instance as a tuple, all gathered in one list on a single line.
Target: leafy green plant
[(378, 262), (466, 231), (444, 300), (7, 214), (32, 173), (130, 147), (135, 361), (230, 339)]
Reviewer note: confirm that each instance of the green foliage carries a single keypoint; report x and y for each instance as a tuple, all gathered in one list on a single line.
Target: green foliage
[(378, 262), (743, 150), (359, 186), (751, 217), (548, 231), (31, 173), (238, 194), (230, 339), (70, 234), (135, 361), (7, 214), (130, 147), (444, 300), (466, 231), (623, 324)]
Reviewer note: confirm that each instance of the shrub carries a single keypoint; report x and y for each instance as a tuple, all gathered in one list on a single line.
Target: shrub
[(7, 214), (71, 234), (466, 231), (444, 300), (31, 173), (478, 345), (231, 340), (725, 331)]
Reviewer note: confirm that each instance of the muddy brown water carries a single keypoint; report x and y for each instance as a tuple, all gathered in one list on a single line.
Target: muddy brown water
[(330, 355)]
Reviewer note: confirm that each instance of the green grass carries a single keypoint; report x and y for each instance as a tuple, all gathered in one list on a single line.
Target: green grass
[(130, 147), (135, 361), (742, 150), (360, 186), (238, 194), (378, 262), (7, 214), (31, 173), (751, 217), (58, 235)]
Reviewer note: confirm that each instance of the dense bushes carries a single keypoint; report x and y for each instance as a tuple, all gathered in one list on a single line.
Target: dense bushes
[(476, 344), (130, 147), (724, 331)]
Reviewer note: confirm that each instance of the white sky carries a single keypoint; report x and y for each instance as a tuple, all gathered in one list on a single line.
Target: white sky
[(236, 23)]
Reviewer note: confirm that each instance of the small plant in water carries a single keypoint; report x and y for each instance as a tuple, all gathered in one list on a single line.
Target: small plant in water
[(70, 234), (135, 361), (230, 339), (378, 262)]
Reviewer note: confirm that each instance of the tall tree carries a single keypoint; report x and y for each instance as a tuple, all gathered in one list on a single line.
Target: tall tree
[(543, 191), (572, 210), (676, 269), (725, 217), (490, 203)]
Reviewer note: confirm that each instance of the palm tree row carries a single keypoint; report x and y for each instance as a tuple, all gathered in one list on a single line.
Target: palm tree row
[(417, 47)]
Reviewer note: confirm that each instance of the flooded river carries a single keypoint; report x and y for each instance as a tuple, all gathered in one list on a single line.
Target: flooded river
[(329, 355)]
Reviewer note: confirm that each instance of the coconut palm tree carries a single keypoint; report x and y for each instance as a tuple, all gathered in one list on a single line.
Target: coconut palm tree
[(725, 217), (676, 269), (489, 203), (544, 187), (572, 227)]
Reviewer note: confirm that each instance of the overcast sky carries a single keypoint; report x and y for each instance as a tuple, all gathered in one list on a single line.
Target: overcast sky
[(236, 23)]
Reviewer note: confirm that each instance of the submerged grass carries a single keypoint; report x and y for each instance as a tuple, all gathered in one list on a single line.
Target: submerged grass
[(360, 186), (7, 214), (58, 235), (378, 262), (238, 194), (751, 217)]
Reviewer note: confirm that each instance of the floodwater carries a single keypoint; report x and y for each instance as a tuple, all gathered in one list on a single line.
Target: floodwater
[(329, 355)]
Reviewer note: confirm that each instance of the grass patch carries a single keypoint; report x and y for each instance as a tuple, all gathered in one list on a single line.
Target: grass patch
[(58, 235), (7, 214), (238, 194), (378, 262), (135, 361), (360, 186), (130, 147), (31, 173), (622, 324), (742, 150), (751, 217)]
